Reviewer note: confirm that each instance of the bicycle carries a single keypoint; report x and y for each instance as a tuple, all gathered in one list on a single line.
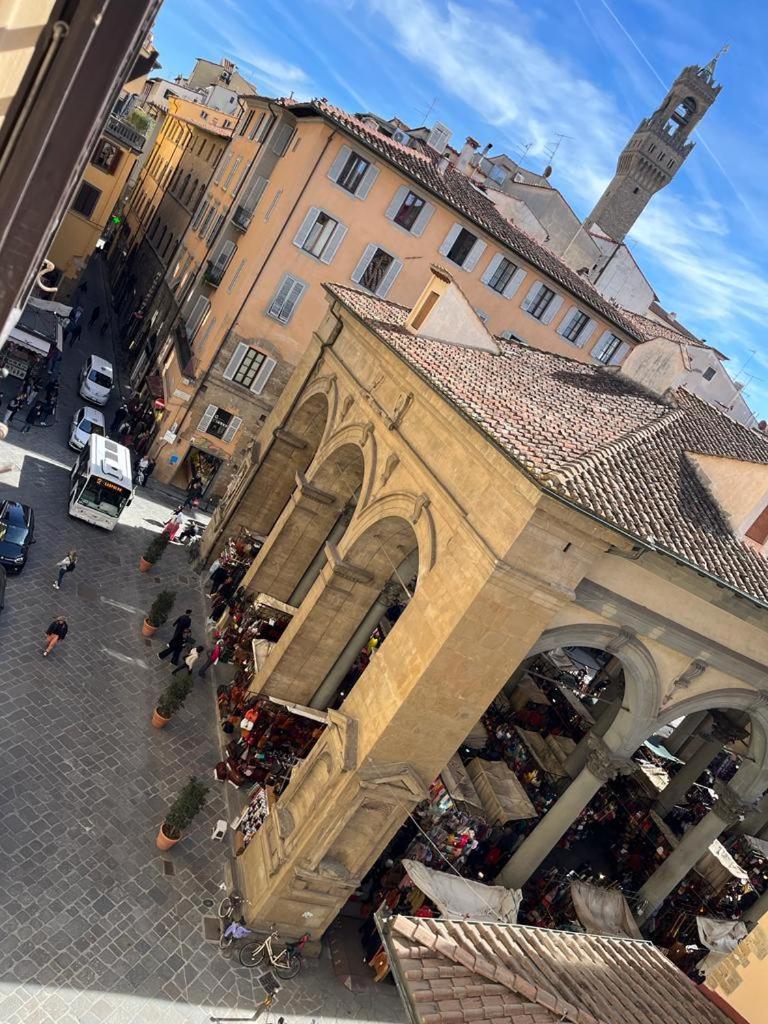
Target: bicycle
[(287, 963), (231, 905), (231, 929)]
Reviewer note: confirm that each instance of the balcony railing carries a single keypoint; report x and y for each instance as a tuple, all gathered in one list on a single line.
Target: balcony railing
[(241, 218), (213, 274), (125, 133)]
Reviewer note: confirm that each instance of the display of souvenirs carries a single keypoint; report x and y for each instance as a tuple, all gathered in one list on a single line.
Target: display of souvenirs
[(253, 817)]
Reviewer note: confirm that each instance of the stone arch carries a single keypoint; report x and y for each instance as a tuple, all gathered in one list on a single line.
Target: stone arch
[(642, 683), (353, 435), (410, 509)]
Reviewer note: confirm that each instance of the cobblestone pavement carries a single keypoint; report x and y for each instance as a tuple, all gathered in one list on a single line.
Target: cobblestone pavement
[(92, 927)]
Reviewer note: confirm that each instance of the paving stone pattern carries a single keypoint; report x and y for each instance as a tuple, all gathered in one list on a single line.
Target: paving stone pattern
[(91, 928)]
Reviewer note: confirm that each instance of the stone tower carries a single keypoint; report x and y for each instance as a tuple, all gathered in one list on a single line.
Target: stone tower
[(656, 151)]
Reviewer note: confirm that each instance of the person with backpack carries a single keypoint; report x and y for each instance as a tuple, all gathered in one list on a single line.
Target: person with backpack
[(66, 565), (56, 631)]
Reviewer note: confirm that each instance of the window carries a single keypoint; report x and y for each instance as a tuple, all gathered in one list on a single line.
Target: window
[(610, 349), (219, 423), (221, 168), (206, 220), (424, 310), (217, 267), (247, 121), (286, 298), (709, 373), (201, 210), (462, 247), (106, 156), (86, 198), (232, 172), (502, 275), (282, 137), (216, 226), (542, 303), (410, 211), (320, 235), (250, 368), (377, 270), (573, 326), (197, 315), (353, 172), (262, 127), (201, 147)]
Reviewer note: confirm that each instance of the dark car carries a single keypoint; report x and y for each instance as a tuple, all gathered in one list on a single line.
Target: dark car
[(17, 532)]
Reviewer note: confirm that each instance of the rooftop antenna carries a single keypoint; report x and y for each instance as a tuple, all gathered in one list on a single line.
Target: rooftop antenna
[(429, 109), (552, 150), (523, 149)]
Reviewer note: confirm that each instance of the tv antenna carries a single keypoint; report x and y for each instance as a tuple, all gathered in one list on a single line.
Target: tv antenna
[(523, 149), (552, 150), (430, 108)]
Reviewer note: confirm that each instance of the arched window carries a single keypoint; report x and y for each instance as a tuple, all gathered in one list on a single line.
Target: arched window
[(681, 115)]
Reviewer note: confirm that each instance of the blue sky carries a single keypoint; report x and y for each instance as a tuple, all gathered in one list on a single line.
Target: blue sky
[(520, 73)]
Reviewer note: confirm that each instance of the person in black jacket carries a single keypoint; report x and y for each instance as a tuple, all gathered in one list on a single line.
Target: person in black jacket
[(57, 630), (183, 622)]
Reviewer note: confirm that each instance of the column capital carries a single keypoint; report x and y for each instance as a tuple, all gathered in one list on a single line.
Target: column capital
[(730, 807), (604, 764), (292, 440), (345, 570), (306, 490)]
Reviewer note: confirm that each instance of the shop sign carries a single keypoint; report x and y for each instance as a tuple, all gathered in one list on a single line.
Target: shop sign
[(169, 437)]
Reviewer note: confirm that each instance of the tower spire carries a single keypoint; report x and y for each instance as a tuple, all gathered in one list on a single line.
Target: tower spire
[(707, 72)]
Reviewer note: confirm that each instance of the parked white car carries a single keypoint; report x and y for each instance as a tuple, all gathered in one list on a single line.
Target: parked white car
[(85, 422), (96, 380)]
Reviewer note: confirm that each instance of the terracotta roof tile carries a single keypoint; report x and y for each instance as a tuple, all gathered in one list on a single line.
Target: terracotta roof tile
[(595, 438)]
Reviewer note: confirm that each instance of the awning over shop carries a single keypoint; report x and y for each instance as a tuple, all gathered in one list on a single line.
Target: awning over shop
[(460, 787), (720, 936), (603, 911), (758, 845), (461, 898), (38, 328)]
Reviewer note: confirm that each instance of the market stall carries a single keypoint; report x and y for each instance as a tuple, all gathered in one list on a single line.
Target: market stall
[(35, 338)]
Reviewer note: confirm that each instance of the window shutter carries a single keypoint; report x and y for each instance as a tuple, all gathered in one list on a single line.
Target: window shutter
[(306, 226), (234, 425), (286, 299), (533, 291), (397, 202), (475, 253), (450, 238), (567, 320), (514, 282), (254, 192), (206, 418), (226, 251), (619, 354), (553, 309), (366, 258), (282, 137), (223, 164), (341, 158), (389, 278), (333, 243), (422, 220), (492, 267), (234, 362), (366, 184), (199, 310), (233, 171), (282, 293), (587, 332), (265, 372)]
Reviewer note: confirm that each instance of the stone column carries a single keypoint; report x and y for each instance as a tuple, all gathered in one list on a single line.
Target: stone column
[(306, 582), (602, 765), (676, 789), (293, 542), (604, 715), (728, 810), (684, 731)]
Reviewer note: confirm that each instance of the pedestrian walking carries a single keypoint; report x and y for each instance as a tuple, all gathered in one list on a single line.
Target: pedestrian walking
[(13, 407), (94, 316), (67, 564), (175, 646), (190, 660), (189, 531), (149, 470), (213, 655), (33, 413), (72, 333), (57, 630), (121, 415), (174, 524), (183, 622), (194, 490)]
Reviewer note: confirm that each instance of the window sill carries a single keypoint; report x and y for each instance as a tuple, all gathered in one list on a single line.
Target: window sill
[(345, 191), (498, 294), (538, 319), (457, 265)]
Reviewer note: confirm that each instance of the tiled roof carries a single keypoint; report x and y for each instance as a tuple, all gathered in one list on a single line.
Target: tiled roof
[(649, 329), (457, 972), (455, 189), (593, 437)]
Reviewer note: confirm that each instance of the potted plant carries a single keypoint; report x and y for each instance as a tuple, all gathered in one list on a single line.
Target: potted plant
[(154, 551), (181, 813), (171, 699), (159, 612)]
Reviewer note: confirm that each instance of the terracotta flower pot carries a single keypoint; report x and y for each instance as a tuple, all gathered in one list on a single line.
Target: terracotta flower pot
[(147, 629), (158, 721), (163, 842), (144, 565)]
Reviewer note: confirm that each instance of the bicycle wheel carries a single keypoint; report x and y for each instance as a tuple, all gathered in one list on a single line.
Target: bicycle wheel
[(251, 954), (287, 965), (225, 908)]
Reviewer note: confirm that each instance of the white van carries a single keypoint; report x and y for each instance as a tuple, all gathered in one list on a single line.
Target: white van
[(96, 380)]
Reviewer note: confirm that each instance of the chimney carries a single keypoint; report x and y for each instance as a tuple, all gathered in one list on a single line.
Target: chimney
[(468, 150), (478, 165), (443, 164), (443, 312)]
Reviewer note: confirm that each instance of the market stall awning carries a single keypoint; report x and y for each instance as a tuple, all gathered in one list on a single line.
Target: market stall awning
[(462, 898), (550, 752), (603, 911), (758, 845), (459, 786), (720, 936)]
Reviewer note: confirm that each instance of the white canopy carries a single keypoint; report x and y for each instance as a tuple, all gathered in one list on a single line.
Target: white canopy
[(459, 897), (720, 936), (603, 911)]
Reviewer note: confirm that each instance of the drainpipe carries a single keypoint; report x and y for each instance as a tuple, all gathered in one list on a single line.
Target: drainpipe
[(388, 596)]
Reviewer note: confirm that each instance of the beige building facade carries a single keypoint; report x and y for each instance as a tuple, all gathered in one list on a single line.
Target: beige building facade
[(478, 468)]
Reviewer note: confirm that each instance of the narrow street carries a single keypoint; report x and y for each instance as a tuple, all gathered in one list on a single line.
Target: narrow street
[(94, 927)]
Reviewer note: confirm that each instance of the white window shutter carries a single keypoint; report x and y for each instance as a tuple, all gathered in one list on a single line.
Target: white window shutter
[(333, 243), (514, 282), (450, 238), (234, 425), (223, 164), (281, 139), (224, 255), (389, 278), (199, 310), (420, 224), (397, 202), (553, 309), (234, 362), (367, 181), (338, 164), (306, 226), (365, 259), (586, 333), (254, 192), (265, 372), (492, 267), (475, 253), (619, 354), (533, 291), (567, 320), (295, 292), (601, 341), (206, 418)]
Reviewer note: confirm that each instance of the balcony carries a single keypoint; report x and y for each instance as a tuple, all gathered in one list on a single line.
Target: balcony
[(241, 218), (124, 133), (213, 274), (184, 358)]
